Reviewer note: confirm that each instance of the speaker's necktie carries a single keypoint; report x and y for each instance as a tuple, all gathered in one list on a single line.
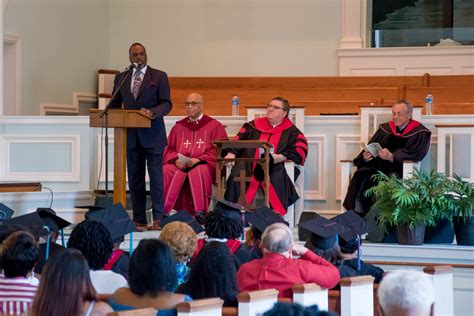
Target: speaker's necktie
[(137, 82)]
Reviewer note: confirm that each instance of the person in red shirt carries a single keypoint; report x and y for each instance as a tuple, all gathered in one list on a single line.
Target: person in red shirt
[(278, 270)]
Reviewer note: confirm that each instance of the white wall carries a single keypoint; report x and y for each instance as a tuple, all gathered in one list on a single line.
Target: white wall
[(229, 37), (64, 42)]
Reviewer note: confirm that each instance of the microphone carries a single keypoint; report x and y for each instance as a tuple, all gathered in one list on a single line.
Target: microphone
[(130, 67)]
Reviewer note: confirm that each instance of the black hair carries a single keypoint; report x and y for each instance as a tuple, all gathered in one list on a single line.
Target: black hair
[(333, 254), (93, 239), (19, 254), (257, 234), (348, 246), (135, 44), (152, 268), (7, 230), (213, 274), (293, 309), (217, 225)]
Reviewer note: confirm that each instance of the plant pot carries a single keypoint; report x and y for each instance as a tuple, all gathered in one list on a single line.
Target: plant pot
[(464, 230), (411, 236), (441, 233)]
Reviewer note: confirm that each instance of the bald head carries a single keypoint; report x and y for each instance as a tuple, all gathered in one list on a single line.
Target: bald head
[(277, 238), (194, 105)]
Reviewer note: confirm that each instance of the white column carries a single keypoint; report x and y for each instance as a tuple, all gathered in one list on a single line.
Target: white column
[(4, 4), (354, 24)]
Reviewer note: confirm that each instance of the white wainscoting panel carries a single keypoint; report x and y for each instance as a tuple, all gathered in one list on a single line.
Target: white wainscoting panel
[(315, 185), (347, 148), (41, 158)]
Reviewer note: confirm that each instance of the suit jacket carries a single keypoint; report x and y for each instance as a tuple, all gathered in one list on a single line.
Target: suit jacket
[(274, 271), (154, 95)]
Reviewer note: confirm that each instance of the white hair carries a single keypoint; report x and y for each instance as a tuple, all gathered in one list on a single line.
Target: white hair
[(277, 238), (407, 290)]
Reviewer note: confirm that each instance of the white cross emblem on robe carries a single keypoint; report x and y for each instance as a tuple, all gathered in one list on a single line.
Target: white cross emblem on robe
[(186, 143), (200, 142)]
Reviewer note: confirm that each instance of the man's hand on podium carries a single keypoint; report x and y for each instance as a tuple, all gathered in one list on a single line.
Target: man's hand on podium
[(148, 113)]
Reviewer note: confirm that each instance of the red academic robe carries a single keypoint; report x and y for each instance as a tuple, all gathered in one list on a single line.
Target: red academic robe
[(274, 271), (286, 139), (189, 188)]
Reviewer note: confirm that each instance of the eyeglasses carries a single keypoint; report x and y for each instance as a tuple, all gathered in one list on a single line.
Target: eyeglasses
[(274, 107), (192, 103)]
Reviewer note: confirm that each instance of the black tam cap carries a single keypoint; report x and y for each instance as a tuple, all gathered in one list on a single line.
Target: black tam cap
[(50, 219), (227, 209), (185, 217), (31, 222), (5, 212), (324, 231), (116, 219), (357, 227), (263, 217)]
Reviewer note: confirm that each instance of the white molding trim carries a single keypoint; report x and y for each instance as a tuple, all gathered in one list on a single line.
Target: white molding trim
[(406, 61), (77, 98), (320, 194), (342, 140), (16, 40), (45, 196), (72, 176)]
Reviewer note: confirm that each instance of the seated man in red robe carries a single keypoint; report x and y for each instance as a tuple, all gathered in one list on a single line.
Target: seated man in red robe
[(189, 163), (401, 139), (288, 144), (277, 270)]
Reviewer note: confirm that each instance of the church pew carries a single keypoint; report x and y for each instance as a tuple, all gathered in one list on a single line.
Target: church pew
[(135, 312), (256, 302), (318, 94), (442, 277), (202, 307), (310, 294)]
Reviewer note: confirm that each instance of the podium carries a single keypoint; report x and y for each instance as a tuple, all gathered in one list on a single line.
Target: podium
[(120, 120), (242, 178)]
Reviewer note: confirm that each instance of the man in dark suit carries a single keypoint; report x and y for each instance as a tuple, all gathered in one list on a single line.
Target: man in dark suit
[(145, 89)]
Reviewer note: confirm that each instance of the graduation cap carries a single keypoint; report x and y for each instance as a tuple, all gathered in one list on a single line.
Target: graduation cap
[(325, 231), (351, 239), (115, 218), (91, 209), (185, 217), (5, 212), (230, 210), (50, 219), (263, 217), (32, 222)]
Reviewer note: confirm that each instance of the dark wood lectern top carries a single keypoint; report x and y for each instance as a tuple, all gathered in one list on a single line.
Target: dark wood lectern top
[(242, 144), (119, 118), (20, 186)]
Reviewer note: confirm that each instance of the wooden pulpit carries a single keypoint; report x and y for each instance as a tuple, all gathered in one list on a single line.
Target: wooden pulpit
[(120, 120), (242, 178)]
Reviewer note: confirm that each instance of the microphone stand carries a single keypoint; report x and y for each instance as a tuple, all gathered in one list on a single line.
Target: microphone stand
[(105, 117)]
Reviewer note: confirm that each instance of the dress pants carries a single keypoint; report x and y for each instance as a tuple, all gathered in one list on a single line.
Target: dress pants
[(137, 158)]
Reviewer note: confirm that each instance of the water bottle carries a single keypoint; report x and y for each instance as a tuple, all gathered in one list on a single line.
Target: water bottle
[(429, 104), (235, 106)]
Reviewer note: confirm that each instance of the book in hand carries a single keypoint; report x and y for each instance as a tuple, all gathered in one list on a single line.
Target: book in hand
[(184, 159), (372, 148)]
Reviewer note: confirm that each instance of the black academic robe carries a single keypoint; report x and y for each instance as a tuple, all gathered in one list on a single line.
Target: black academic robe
[(54, 249), (365, 269), (410, 144), (286, 139)]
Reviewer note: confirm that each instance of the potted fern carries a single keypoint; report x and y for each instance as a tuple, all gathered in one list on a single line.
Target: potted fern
[(412, 204)]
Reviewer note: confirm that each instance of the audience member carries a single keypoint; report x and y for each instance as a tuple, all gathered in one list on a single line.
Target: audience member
[(189, 163), (277, 269), (66, 288), (19, 254), (55, 224), (406, 293), (213, 274), (182, 240), (93, 240), (224, 224), (152, 279), (350, 252), (286, 309)]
